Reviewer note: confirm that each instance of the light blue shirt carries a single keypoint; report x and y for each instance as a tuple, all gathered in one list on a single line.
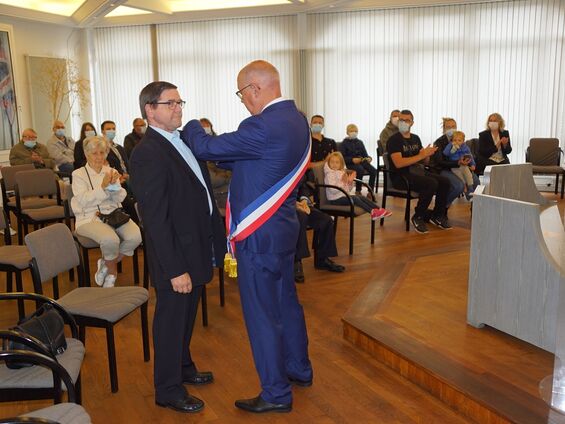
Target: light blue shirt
[(187, 155)]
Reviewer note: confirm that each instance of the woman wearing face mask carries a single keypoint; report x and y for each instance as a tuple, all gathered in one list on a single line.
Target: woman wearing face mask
[(220, 178), (97, 190), (87, 130), (494, 143), (441, 164), (356, 157)]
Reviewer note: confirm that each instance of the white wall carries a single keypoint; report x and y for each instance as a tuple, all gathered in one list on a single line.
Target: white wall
[(39, 39)]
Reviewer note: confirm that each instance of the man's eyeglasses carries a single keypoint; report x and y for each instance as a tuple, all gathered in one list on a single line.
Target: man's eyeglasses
[(239, 93), (171, 103)]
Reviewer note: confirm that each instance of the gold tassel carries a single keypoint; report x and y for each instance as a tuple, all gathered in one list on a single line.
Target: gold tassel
[(230, 265)]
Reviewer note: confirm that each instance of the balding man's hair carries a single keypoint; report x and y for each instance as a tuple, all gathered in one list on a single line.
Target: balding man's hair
[(261, 71), (30, 130)]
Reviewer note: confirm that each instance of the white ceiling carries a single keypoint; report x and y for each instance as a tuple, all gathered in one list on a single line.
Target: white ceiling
[(92, 13)]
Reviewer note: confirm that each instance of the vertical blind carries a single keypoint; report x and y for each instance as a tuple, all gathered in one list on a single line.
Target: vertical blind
[(462, 61), (122, 66), (203, 59)]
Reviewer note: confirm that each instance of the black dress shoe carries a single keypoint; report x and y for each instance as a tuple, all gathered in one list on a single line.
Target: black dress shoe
[(185, 404), (298, 272), (258, 405), (298, 382), (199, 379), (329, 265)]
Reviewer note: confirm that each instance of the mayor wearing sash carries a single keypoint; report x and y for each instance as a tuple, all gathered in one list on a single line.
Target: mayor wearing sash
[(267, 155)]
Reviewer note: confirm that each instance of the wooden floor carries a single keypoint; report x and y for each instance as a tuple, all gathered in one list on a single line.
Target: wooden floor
[(349, 385)]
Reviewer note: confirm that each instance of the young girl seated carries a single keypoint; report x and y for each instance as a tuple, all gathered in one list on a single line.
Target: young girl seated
[(457, 150), (336, 174)]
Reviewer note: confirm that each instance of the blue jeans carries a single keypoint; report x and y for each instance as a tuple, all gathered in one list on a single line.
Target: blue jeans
[(456, 185)]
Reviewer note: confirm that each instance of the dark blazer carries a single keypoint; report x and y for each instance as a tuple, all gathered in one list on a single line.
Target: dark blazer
[(263, 150), (181, 235), (487, 147)]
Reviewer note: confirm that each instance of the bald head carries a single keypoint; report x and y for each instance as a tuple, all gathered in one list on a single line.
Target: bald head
[(259, 84), (29, 133)]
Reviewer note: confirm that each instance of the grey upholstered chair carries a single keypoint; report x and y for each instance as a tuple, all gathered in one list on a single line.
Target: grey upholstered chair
[(14, 259), (35, 183), (43, 380), (54, 251), (63, 413), (336, 211), (545, 156)]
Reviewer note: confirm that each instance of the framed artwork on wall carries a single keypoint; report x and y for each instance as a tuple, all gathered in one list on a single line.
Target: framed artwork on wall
[(9, 125)]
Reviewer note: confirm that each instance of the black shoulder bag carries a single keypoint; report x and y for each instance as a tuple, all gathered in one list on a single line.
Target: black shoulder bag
[(114, 219)]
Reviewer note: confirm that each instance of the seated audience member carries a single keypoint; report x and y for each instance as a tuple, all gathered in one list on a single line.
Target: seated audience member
[(321, 145), (97, 190), (61, 148), (324, 238), (407, 158), (28, 150), (134, 137), (87, 130), (442, 165), (457, 151), (219, 178), (335, 174), (494, 143), (389, 130), (356, 157)]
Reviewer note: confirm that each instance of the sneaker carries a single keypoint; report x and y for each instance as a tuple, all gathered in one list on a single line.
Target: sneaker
[(441, 222), (109, 281), (419, 225), (101, 272), (379, 213)]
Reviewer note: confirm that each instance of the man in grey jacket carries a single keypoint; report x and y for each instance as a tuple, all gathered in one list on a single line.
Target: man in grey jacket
[(389, 130), (61, 148)]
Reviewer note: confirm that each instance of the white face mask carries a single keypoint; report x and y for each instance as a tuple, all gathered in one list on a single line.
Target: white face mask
[(493, 125), (90, 133), (352, 135), (394, 121), (207, 130)]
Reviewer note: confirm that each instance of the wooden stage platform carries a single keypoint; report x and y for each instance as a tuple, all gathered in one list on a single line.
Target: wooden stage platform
[(412, 317)]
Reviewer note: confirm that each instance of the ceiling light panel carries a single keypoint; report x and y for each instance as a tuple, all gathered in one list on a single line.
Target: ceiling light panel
[(191, 5), (57, 7), (126, 11)]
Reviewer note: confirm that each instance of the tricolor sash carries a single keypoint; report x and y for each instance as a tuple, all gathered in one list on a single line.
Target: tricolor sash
[(262, 208)]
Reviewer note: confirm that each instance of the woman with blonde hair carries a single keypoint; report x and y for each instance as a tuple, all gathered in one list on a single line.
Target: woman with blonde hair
[(97, 193), (494, 143)]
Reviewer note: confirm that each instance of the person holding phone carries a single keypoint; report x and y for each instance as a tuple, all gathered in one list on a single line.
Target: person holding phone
[(494, 143)]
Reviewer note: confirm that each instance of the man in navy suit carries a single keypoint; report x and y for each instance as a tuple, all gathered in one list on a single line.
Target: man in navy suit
[(183, 231), (265, 149)]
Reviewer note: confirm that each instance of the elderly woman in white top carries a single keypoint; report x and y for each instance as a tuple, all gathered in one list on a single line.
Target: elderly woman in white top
[(97, 189)]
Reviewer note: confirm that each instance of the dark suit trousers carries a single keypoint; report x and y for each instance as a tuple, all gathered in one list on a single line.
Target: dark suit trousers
[(173, 323), (274, 320), (427, 186), (324, 238)]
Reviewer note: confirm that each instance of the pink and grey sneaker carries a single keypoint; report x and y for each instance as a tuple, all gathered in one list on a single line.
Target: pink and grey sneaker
[(379, 213)]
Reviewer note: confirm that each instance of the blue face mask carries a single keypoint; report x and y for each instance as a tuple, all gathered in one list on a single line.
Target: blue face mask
[(113, 187), (30, 144), (110, 134), (403, 127), (89, 133), (449, 132), (317, 128), (60, 132)]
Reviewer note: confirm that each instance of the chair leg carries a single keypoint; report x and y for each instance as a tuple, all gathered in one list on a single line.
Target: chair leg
[(78, 390), (72, 274), (351, 232), (86, 261), (55, 288), (407, 214), (556, 182), (82, 334), (562, 184), (135, 262), (145, 333), (20, 288), (9, 282), (383, 205), (20, 231), (119, 267), (112, 358), (372, 231), (204, 307), (222, 292)]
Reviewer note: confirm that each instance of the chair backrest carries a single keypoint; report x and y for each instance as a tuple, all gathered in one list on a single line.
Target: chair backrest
[(544, 151), (473, 145), (318, 172), (388, 181), (9, 174), (53, 249), (38, 182)]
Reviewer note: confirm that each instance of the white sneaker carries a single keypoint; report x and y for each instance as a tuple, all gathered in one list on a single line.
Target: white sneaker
[(109, 281), (101, 272)]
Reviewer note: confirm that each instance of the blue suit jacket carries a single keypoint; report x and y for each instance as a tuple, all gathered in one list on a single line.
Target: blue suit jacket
[(263, 150)]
